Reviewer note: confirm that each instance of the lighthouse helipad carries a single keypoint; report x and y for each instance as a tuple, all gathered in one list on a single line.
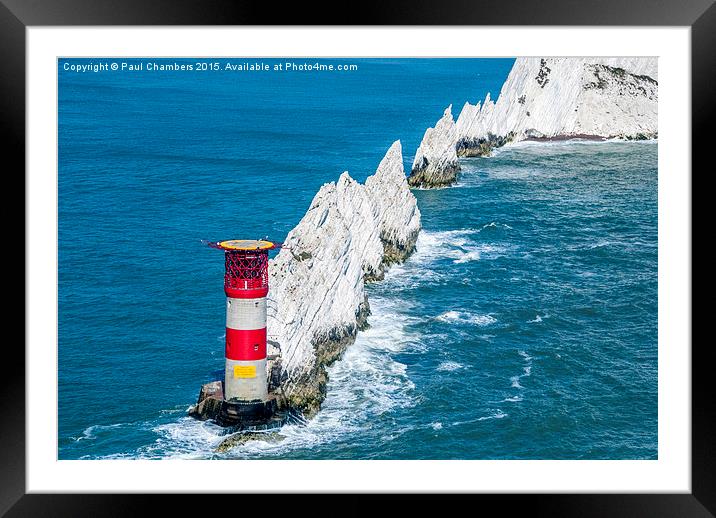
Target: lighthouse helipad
[(245, 244)]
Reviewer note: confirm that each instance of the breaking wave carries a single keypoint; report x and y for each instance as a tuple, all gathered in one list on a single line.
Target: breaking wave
[(466, 318), (526, 371)]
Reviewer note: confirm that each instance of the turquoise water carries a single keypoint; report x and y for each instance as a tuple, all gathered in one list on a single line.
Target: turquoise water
[(525, 326)]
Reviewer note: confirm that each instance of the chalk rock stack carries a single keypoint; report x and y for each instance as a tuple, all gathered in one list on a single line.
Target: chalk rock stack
[(555, 98), (436, 163), (317, 300)]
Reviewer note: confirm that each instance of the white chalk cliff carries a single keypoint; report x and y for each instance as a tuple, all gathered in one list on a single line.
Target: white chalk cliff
[(548, 98), (436, 163), (317, 300)]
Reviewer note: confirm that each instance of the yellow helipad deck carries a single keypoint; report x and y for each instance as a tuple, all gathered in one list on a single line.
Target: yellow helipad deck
[(246, 244)]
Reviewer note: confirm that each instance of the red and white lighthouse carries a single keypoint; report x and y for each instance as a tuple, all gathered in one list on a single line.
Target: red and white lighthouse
[(246, 288)]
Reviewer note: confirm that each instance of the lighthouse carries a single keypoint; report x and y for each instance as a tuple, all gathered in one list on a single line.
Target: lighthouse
[(246, 288), (242, 399)]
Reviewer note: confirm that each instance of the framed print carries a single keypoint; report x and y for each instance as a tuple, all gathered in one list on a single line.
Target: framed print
[(398, 257)]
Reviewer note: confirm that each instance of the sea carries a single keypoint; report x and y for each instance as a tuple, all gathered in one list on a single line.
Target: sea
[(523, 327)]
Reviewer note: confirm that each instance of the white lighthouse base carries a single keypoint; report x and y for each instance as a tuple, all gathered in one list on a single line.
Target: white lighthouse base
[(245, 380)]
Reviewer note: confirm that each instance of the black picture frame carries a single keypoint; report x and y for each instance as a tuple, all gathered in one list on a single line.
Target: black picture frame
[(17, 15)]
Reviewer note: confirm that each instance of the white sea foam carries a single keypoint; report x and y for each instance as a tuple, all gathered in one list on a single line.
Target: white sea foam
[(449, 316), (453, 316), (449, 366), (468, 253), (92, 432), (465, 257), (495, 414), (184, 438), (536, 320), (433, 241), (512, 399), (436, 426), (549, 146), (482, 320), (499, 414), (458, 245), (494, 224), (526, 371)]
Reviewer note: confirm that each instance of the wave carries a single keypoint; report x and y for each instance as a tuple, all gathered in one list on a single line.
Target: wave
[(466, 318), (496, 414), (436, 239), (494, 225), (449, 366), (92, 432), (537, 319), (469, 253), (458, 245), (473, 255), (513, 399), (185, 438), (526, 371), (561, 143)]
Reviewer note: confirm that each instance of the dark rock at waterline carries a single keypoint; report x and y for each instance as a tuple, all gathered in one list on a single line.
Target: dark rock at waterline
[(472, 147), (395, 253), (436, 163), (311, 391), (243, 437), (427, 176)]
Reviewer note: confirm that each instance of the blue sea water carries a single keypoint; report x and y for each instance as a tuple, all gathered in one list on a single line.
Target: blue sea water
[(524, 327)]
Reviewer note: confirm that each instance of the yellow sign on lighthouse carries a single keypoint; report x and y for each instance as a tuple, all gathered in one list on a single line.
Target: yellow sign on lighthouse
[(244, 371)]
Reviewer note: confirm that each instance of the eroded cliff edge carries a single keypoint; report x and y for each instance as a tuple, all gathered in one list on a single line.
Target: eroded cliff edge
[(552, 98), (317, 301), (546, 99)]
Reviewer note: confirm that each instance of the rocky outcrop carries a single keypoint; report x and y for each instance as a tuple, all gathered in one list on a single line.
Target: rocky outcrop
[(398, 214), (240, 438), (317, 300), (555, 98), (436, 163), (208, 405)]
